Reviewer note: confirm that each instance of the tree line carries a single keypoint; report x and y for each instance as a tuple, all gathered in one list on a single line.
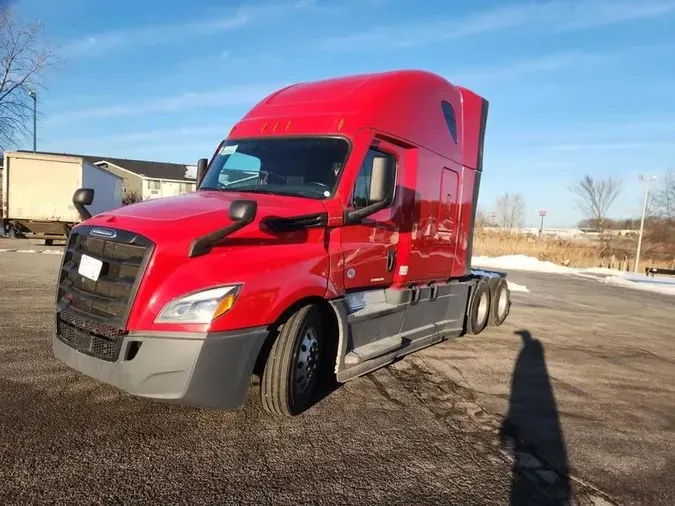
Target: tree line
[(594, 199)]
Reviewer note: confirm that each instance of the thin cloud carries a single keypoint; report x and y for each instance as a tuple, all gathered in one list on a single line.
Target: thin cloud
[(594, 13), (613, 146), (181, 133), (528, 66), (233, 96), (151, 35), (555, 15), (420, 34), (166, 33), (557, 61)]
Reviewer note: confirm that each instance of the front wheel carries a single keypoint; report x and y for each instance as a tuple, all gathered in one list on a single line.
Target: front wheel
[(292, 368)]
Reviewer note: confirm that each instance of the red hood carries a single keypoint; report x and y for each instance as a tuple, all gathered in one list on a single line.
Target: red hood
[(194, 214)]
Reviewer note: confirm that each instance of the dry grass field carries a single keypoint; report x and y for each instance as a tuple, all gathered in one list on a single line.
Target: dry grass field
[(614, 252)]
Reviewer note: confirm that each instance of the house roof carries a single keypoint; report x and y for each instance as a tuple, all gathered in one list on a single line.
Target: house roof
[(144, 168)]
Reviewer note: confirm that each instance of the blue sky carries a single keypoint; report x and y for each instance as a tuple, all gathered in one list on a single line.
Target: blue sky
[(575, 87)]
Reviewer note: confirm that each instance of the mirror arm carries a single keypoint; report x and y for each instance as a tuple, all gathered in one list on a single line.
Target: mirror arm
[(82, 197), (203, 244), (82, 211), (242, 213), (356, 215)]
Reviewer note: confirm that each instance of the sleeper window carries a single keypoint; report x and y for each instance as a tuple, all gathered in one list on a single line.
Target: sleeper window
[(449, 114)]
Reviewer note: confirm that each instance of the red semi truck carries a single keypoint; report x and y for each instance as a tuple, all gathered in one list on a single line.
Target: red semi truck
[(331, 231)]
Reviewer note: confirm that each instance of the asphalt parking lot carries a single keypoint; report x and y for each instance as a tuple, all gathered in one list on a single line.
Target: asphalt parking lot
[(589, 414)]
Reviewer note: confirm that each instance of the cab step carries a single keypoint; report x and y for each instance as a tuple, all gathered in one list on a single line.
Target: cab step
[(373, 350)]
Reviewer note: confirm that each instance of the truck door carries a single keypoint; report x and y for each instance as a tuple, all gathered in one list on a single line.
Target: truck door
[(446, 235), (370, 247)]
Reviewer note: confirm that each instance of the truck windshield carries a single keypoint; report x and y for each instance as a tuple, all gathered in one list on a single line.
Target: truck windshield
[(303, 167)]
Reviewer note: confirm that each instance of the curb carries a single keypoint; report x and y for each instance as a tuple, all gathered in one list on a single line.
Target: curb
[(42, 252)]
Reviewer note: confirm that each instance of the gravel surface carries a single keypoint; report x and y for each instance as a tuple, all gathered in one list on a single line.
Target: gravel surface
[(408, 434)]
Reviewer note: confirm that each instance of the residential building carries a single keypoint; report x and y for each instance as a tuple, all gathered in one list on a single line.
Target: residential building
[(144, 179)]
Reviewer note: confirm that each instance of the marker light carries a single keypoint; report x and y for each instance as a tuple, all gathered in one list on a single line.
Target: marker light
[(200, 307)]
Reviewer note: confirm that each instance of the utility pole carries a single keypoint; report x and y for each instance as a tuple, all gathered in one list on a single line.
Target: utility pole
[(542, 213), (33, 95), (646, 181)]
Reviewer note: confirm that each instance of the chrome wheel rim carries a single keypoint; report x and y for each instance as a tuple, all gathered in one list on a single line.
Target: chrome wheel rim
[(306, 362), (482, 308), (503, 303)]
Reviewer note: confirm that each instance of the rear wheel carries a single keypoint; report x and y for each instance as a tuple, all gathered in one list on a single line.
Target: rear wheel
[(479, 309), (501, 303), (292, 368)]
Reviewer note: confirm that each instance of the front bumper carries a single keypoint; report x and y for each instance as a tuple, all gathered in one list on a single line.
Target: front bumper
[(201, 370)]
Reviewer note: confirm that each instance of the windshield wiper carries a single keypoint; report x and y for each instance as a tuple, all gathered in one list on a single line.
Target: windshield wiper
[(217, 189), (255, 190)]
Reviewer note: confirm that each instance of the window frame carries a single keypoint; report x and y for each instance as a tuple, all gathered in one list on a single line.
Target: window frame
[(338, 177), (159, 184)]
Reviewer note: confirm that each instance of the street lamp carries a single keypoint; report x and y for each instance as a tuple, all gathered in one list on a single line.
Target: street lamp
[(542, 213), (646, 181), (33, 95)]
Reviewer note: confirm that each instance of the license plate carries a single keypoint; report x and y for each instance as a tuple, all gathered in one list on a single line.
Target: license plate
[(90, 267)]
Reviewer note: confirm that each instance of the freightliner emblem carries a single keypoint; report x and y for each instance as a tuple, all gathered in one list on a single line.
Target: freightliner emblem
[(103, 232)]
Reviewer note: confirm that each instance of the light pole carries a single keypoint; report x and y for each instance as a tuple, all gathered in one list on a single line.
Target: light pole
[(542, 213), (33, 95), (646, 180)]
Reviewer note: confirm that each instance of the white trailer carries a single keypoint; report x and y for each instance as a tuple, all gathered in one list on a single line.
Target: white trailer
[(38, 190)]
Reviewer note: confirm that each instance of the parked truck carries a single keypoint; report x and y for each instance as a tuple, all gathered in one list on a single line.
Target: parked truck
[(38, 188), (331, 232)]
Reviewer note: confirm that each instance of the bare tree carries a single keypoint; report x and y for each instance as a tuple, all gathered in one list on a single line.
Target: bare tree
[(595, 197), (664, 197), (510, 210), (24, 58)]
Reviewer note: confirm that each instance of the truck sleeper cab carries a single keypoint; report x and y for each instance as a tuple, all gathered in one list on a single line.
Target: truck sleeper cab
[(330, 232)]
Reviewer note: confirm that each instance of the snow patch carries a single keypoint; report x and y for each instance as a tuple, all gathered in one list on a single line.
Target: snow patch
[(486, 274), (601, 270), (515, 287), (520, 263), (657, 284)]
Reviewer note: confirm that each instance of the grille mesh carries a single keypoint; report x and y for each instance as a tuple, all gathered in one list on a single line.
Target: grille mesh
[(96, 339)]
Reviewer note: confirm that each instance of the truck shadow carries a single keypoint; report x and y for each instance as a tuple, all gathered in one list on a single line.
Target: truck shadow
[(531, 430)]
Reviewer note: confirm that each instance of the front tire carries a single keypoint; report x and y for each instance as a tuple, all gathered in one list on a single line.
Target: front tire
[(292, 368)]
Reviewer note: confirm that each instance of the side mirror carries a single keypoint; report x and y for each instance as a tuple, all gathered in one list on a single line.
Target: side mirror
[(380, 180), (83, 197), (201, 170), (243, 210), (381, 192)]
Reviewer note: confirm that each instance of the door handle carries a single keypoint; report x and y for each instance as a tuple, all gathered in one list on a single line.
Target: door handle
[(391, 260)]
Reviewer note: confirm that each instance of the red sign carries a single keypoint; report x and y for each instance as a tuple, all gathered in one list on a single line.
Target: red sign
[(542, 212)]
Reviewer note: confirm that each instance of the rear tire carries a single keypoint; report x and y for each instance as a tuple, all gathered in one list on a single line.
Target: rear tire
[(479, 308), (501, 303), (292, 367)]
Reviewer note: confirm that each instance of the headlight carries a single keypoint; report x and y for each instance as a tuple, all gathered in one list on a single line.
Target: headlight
[(200, 307)]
